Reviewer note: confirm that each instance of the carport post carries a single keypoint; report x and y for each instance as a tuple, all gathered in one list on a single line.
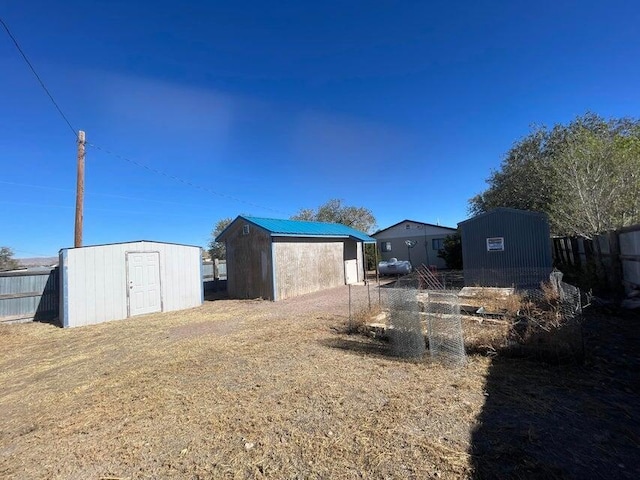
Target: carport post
[(377, 272), (350, 322)]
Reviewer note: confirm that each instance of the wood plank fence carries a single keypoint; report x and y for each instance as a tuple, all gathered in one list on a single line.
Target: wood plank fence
[(613, 258), (29, 295), (214, 275)]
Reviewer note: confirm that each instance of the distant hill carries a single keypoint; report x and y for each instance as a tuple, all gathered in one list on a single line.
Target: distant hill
[(37, 261)]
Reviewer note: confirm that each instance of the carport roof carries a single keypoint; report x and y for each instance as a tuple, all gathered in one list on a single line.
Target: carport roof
[(300, 228)]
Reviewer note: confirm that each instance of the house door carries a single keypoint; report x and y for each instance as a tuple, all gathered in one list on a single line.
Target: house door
[(143, 283)]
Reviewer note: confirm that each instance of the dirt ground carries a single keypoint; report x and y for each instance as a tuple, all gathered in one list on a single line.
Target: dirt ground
[(253, 389)]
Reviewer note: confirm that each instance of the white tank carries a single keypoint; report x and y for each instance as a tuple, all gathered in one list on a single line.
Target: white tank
[(394, 267)]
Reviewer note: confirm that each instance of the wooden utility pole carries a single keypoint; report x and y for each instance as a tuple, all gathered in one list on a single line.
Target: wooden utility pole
[(80, 190)]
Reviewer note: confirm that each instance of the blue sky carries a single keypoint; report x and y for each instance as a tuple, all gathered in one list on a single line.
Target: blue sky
[(402, 107)]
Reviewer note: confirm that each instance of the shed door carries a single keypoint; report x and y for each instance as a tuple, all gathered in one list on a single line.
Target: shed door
[(143, 276), (350, 272)]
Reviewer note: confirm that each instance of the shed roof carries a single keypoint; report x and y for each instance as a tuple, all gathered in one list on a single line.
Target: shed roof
[(504, 210), (299, 228), (132, 241)]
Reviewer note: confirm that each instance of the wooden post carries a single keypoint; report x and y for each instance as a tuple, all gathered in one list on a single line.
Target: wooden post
[(556, 255), (350, 321), (364, 261), (617, 285), (575, 252), (216, 273), (80, 190), (375, 253)]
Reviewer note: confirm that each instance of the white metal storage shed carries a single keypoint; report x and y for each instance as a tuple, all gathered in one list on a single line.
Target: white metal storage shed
[(111, 282)]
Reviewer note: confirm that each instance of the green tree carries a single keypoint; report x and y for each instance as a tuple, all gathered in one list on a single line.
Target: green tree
[(335, 211), (523, 181), (7, 261), (584, 175), (217, 249), (600, 173), (451, 251)]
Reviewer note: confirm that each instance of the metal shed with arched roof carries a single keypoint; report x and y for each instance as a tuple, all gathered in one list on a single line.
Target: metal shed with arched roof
[(506, 247)]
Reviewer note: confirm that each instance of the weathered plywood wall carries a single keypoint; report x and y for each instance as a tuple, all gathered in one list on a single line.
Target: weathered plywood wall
[(305, 266), (249, 264)]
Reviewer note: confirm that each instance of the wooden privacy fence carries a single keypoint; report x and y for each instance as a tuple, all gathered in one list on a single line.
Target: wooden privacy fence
[(614, 257), (29, 295), (214, 275)]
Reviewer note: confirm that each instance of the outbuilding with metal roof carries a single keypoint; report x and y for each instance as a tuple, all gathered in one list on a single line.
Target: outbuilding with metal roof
[(505, 247), (276, 259), (99, 283)]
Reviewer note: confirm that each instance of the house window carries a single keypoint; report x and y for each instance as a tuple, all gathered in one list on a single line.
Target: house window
[(407, 226), (245, 229), (385, 246), (437, 244)]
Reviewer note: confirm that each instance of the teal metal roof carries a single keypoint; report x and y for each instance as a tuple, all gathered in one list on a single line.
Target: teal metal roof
[(299, 228)]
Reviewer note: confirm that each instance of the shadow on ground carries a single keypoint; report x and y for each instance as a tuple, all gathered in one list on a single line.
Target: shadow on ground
[(213, 295), (565, 421), (358, 345)]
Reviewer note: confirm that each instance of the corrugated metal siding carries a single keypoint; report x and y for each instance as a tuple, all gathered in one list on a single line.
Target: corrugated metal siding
[(95, 280), (40, 300), (526, 259), (630, 249)]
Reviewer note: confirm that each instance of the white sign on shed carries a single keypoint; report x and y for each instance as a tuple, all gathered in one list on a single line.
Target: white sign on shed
[(495, 244)]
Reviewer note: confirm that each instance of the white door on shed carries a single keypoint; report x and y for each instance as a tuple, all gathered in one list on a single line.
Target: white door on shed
[(350, 272), (143, 276)]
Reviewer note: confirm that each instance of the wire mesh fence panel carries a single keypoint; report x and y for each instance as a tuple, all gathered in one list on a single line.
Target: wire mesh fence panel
[(444, 325), (568, 295), (363, 307), (405, 328), (571, 300), (549, 320)]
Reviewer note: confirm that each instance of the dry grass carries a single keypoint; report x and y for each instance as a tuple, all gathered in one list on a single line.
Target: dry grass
[(361, 318), (494, 300), (233, 389), (532, 324)]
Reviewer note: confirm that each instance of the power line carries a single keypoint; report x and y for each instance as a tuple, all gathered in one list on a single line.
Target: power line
[(33, 70), (183, 181), (100, 194), (139, 164)]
